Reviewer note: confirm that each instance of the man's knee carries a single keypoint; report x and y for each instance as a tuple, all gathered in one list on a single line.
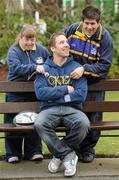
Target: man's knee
[(85, 124), (82, 124), (39, 123)]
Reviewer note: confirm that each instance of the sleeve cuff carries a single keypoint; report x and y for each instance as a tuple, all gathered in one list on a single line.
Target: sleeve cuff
[(67, 98)]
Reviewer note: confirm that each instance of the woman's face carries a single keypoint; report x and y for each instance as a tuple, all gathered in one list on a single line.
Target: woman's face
[(28, 43)]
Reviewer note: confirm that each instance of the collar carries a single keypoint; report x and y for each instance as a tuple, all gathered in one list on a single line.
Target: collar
[(33, 48), (97, 35)]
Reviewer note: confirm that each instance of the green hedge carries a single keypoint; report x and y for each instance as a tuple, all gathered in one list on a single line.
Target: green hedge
[(11, 25)]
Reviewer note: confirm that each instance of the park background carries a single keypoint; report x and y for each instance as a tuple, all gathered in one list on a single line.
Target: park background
[(49, 16)]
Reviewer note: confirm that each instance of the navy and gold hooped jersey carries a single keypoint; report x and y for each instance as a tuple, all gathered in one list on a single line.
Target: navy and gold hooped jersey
[(94, 53), (83, 46)]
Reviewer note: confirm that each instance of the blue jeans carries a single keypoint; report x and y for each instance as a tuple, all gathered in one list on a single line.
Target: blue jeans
[(74, 119)]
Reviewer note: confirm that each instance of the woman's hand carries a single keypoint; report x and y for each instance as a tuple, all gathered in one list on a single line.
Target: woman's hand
[(40, 69)]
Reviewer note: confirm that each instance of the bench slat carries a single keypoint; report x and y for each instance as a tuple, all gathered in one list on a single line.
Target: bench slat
[(16, 107), (12, 128), (13, 86), (107, 85), (105, 125), (107, 106), (89, 106)]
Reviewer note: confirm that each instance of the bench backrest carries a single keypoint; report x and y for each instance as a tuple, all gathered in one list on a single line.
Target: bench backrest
[(89, 106)]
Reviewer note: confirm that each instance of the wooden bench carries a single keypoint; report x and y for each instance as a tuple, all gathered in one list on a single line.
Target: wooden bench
[(89, 106)]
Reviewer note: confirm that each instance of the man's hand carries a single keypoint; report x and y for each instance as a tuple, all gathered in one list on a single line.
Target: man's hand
[(40, 69), (77, 73), (70, 89)]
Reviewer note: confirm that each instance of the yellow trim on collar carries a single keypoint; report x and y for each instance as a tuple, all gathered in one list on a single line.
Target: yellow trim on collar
[(77, 36), (33, 48), (100, 34), (81, 35)]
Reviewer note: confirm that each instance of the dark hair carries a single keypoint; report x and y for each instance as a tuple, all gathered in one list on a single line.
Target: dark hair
[(28, 31), (53, 38), (91, 13)]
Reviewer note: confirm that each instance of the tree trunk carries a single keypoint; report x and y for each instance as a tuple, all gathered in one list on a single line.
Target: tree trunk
[(88, 2)]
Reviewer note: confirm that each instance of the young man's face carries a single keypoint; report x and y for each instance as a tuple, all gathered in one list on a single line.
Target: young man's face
[(28, 43), (90, 27), (61, 47)]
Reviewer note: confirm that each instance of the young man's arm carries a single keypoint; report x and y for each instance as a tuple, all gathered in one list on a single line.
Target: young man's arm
[(78, 95), (45, 92), (100, 68)]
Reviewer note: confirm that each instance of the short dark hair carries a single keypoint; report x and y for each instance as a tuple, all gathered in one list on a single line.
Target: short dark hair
[(91, 12), (53, 38)]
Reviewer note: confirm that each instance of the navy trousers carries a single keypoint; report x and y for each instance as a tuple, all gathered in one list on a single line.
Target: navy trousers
[(88, 144), (15, 143)]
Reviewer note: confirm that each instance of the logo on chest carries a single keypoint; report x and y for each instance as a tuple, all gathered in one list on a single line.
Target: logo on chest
[(59, 80), (93, 51), (39, 60)]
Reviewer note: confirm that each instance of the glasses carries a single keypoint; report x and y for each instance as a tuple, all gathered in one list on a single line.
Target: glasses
[(29, 40)]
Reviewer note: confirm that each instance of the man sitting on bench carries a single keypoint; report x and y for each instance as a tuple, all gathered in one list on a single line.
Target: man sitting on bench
[(60, 102)]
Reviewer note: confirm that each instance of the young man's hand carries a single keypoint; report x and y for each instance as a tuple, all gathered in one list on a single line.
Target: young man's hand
[(77, 73), (70, 89)]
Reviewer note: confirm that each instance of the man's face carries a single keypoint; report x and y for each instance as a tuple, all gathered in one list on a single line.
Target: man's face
[(28, 43), (61, 47), (90, 27)]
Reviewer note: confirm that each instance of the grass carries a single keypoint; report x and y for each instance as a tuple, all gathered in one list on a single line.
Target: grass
[(105, 146), (109, 145)]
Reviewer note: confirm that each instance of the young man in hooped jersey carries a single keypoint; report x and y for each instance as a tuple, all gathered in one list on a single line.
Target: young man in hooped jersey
[(91, 46)]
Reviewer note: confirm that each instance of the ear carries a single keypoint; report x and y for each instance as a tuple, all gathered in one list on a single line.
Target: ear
[(52, 49)]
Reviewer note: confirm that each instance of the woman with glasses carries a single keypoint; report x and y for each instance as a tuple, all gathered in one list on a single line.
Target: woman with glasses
[(24, 59)]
